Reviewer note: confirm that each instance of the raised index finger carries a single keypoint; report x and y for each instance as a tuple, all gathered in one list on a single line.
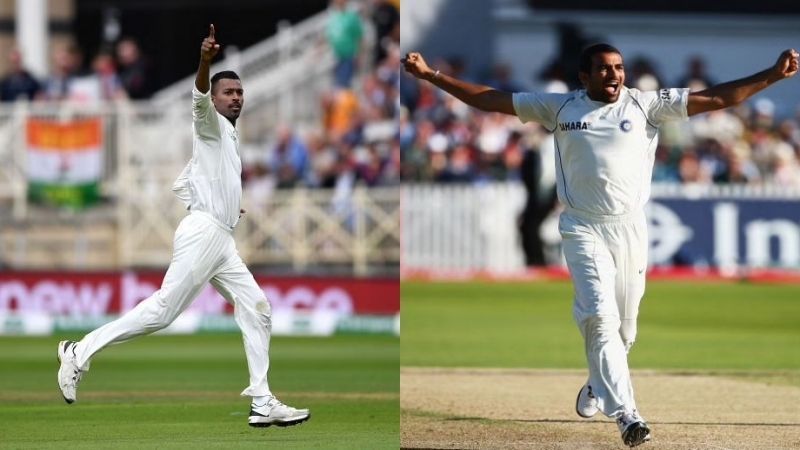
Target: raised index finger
[(211, 31)]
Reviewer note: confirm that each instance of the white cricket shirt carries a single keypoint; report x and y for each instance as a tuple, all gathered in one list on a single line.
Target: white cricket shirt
[(604, 151), (212, 181)]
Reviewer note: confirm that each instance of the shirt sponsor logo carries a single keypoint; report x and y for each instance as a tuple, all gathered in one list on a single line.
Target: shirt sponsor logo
[(666, 95), (573, 126), (625, 125)]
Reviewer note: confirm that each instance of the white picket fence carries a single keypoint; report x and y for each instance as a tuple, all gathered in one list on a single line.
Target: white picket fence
[(461, 227)]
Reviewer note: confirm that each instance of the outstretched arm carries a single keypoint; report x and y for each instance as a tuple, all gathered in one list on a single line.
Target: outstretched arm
[(208, 50), (475, 95), (734, 92)]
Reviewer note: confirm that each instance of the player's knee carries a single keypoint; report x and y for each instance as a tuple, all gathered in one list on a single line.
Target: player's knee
[(255, 307), (156, 317), (264, 312), (156, 323)]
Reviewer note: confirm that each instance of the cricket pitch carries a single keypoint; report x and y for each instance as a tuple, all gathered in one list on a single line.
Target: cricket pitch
[(535, 409)]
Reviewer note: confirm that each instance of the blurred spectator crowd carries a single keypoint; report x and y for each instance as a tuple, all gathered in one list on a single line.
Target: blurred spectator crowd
[(357, 140), (443, 140), (114, 73), (356, 143)]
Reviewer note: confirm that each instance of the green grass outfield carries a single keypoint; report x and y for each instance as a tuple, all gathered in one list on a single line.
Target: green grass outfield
[(705, 326), (183, 392)]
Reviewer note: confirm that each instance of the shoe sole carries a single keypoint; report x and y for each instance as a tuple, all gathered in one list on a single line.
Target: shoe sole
[(58, 358), (287, 423), (578, 411), (637, 436)]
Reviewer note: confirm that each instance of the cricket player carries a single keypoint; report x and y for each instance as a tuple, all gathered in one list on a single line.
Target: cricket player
[(204, 251), (606, 136)]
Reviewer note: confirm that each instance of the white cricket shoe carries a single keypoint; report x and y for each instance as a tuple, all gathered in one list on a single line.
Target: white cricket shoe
[(634, 429), (273, 412), (586, 403), (69, 374)]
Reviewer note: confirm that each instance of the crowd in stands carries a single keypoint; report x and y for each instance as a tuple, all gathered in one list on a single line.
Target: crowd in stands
[(114, 73), (356, 142), (443, 140)]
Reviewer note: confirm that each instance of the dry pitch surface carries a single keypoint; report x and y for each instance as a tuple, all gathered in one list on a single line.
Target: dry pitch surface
[(534, 409)]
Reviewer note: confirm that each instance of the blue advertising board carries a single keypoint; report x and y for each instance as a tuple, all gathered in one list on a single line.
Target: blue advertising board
[(725, 232)]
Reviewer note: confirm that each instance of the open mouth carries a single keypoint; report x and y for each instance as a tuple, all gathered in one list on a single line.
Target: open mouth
[(612, 87)]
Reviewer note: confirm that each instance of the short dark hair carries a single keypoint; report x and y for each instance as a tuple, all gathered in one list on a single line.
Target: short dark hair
[(585, 60), (225, 74)]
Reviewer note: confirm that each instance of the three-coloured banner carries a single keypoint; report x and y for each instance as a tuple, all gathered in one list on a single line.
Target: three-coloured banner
[(65, 161)]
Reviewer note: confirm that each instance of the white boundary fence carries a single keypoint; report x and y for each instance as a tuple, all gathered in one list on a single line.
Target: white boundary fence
[(461, 227)]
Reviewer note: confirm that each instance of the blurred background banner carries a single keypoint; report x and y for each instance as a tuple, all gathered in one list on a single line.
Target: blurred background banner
[(65, 161), (44, 303)]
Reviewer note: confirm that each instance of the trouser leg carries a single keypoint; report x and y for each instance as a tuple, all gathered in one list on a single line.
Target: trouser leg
[(631, 277), (609, 375), (593, 271), (253, 314), (631, 256), (196, 252)]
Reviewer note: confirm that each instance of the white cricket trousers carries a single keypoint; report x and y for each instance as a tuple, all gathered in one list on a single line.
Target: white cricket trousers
[(204, 251), (607, 260)]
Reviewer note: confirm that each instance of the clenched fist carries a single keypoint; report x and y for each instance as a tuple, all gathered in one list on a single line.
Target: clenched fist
[(787, 64), (414, 64), (209, 48)]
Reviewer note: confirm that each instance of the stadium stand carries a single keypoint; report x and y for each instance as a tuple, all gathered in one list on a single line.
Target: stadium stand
[(343, 210)]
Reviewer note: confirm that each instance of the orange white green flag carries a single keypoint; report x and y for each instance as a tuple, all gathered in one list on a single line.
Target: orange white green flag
[(65, 161)]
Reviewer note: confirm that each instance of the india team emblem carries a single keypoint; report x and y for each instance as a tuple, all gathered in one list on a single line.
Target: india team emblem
[(625, 125)]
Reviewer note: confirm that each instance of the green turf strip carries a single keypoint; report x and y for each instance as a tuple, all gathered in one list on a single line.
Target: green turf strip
[(694, 326), (183, 392)]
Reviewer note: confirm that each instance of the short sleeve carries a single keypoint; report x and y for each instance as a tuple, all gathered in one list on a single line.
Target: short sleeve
[(539, 107), (665, 105), (204, 115)]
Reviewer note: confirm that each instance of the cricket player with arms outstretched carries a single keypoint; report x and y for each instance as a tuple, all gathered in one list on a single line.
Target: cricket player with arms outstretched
[(606, 136), (204, 251)]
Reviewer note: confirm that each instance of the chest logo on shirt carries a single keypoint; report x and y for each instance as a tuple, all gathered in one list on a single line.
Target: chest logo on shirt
[(626, 125), (574, 126)]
